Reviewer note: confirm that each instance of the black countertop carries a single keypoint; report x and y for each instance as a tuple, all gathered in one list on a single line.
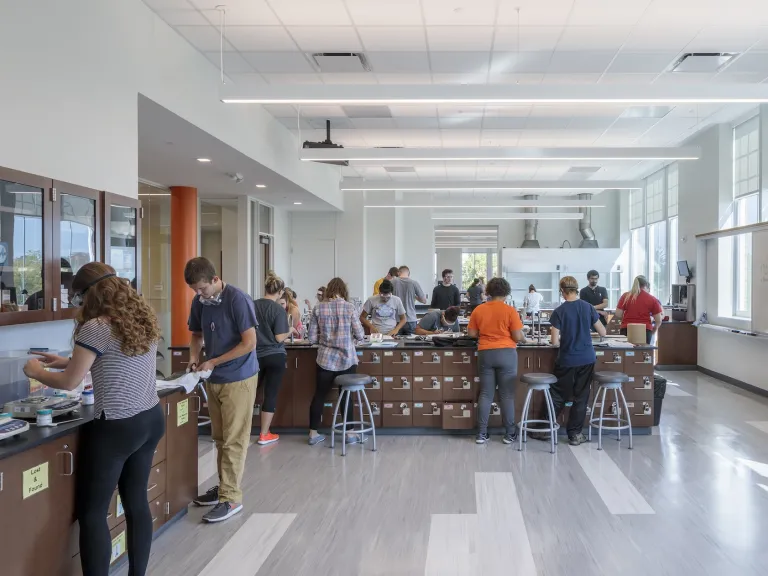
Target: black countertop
[(35, 436), (401, 345)]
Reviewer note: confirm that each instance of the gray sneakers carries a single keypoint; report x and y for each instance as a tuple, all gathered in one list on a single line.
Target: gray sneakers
[(222, 511), (316, 439), (577, 439), (210, 498)]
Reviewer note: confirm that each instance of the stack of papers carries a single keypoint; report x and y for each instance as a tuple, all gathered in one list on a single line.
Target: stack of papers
[(188, 381)]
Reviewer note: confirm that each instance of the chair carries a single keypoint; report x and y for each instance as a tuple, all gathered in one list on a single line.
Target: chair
[(610, 381), (538, 381), (349, 383)]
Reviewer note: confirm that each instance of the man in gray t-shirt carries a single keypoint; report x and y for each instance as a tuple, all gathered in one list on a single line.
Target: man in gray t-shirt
[(387, 312), (408, 291)]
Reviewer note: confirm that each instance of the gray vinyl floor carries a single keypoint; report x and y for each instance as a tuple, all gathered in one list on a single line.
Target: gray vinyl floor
[(690, 499)]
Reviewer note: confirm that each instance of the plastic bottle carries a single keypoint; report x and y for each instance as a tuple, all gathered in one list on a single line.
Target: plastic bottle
[(87, 397), (45, 417)]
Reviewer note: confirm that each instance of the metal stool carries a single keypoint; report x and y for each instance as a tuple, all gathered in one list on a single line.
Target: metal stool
[(349, 383), (538, 381), (610, 381), (202, 420)]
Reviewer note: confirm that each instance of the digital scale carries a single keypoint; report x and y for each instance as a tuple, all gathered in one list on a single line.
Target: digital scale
[(27, 408), (10, 427)]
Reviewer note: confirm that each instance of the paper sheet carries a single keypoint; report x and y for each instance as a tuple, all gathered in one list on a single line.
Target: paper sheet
[(188, 381)]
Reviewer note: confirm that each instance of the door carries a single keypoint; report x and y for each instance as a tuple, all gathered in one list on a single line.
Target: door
[(181, 448), (313, 264), (122, 237)]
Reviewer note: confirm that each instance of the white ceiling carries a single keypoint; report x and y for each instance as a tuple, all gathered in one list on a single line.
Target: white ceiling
[(445, 42)]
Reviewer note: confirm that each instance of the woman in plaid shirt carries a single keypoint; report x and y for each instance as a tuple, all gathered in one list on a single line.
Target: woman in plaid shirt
[(334, 327)]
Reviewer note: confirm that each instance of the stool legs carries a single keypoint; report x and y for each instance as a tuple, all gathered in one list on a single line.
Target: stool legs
[(619, 409), (629, 417), (600, 428), (551, 404), (551, 417), (373, 425), (343, 434), (592, 412), (523, 433), (335, 415)]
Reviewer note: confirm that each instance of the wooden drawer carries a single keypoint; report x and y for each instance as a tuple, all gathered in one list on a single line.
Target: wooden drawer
[(494, 419), (375, 408), (460, 388), (156, 484), (609, 361), (638, 362), (160, 451), (459, 416), (370, 362), (459, 363), (374, 389), (427, 362), (397, 389), (398, 362), (427, 414), (427, 388), (157, 509), (397, 414)]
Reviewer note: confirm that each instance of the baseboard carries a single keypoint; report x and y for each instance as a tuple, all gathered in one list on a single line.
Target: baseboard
[(676, 368), (738, 383)]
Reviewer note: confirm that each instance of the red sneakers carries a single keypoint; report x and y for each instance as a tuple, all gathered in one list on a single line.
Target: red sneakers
[(268, 438)]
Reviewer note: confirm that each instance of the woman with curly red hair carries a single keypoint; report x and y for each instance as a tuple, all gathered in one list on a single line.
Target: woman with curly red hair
[(116, 335)]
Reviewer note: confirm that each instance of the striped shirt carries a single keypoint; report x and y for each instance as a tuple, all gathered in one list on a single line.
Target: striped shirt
[(335, 326), (123, 386)]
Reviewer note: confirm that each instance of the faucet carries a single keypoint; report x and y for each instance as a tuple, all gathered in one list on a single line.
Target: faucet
[(539, 315), (290, 326)]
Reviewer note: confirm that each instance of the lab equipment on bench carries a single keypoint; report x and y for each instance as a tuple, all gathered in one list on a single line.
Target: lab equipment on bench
[(11, 427), (27, 407)]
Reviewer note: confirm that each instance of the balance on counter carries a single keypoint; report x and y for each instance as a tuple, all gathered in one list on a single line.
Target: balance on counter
[(27, 407), (10, 427)]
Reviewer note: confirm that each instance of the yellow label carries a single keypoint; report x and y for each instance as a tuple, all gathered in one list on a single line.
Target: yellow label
[(34, 480), (118, 546), (182, 412), (119, 507)]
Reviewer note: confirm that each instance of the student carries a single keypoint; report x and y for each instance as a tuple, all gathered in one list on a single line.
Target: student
[(475, 294), (639, 307), (572, 324), (387, 312), (115, 336), (271, 331), (532, 302), (445, 294), (498, 329), (223, 317), (319, 298), (408, 291), (391, 274), (291, 308), (596, 295), (435, 322), (335, 328)]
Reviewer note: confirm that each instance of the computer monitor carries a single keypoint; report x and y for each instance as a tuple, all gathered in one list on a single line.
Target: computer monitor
[(682, 268)]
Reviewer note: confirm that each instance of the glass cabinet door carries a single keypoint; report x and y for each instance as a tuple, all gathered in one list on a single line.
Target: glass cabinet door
[(122, 238), (25, 252), (76, 239)]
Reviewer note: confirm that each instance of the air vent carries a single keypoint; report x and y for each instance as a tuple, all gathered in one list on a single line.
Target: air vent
[(702, 61), (402, 169), (367, 111), (583, 169), (341, 62)]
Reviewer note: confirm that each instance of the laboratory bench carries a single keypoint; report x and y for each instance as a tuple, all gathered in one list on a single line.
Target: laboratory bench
[(38, 471), (678, 345)]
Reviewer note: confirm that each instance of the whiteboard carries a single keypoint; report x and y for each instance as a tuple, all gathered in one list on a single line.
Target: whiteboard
[(760, 281)]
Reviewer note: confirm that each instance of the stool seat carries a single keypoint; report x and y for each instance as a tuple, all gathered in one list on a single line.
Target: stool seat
[(538, 379), (608, 378), (353, 382)]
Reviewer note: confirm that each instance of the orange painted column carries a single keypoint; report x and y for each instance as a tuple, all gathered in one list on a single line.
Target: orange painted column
[(183, 248)]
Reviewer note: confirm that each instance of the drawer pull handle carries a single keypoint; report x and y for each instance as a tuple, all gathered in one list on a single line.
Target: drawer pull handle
[(154, 520), (152, 487), (71, 463), (109, 516)]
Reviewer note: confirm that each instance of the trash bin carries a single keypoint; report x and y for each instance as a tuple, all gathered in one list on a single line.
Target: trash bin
[(659, 389)]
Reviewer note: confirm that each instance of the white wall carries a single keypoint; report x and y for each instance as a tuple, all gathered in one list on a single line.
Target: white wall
[(210, 246), (282, 250), (734, 355), (53, 335), (230, 248)]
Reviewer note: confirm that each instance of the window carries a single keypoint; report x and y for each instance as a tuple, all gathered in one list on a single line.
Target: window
[(746, 212), (477, 264), (638, 260), (672, 192), (654, 198), (658, 261), (673, 257), (746, 158), (636, 215)]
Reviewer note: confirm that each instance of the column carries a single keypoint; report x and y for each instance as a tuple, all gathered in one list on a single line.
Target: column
[(184, 234)]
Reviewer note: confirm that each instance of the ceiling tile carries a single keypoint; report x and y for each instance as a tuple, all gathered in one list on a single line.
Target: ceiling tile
[(627, 78), (521, 79), (167, 4), (373, 123), (404, 78), (660, 37), (642, 62), (322, 112), (260, 38), (593, 37), (532, 38), (684, 78), (292, 78), (579, 62), (183, 17), (459, 78), (239, 12), (504, 122), (204, 38), (461, 62), (398, 62), (411, 123), (511, 110), (546, 123), (499, 138), (460, 38), (716, 39), (431, 171), (535, 12), (587, 123), (383, 138), (389, 38), (451, 110), (388, 13), (413, 110), (461, 122), (311, 13), (233, 62), (520, 63), (279, 62), (729, 77), (571, 78), (459, 12), (326, 38), (750, 62), (281, 110), (349, 78), (607, 12)]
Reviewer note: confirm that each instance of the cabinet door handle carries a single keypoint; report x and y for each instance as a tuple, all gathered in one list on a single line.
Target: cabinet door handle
[(154, 520), (539, 362), (528, 362), (109, 516), (152, 487), (296, 362), (199, 404), (71, 463)]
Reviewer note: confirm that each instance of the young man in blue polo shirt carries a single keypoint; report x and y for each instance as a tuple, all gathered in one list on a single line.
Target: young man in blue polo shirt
[(223, 318)]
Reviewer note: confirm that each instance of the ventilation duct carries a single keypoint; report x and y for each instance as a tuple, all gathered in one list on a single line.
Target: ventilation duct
[(585, 225), (531, 226)]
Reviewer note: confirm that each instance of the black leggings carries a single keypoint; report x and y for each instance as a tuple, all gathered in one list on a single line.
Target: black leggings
[(117, 453), (271, 370), (324, 383)]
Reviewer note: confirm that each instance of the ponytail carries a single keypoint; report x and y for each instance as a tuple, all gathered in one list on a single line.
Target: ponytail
[(637, 287), (273, 284)]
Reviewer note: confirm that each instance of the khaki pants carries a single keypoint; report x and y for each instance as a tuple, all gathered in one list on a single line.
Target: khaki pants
[(230, 407)]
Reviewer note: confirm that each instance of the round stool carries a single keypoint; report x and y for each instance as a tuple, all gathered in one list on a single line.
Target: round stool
[(349, 383), (610, 381), (538, 381)]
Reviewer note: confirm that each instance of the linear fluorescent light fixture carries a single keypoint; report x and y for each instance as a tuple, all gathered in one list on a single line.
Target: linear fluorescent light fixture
[(512, 216), (472, 206), (497, 154), (500, 185)]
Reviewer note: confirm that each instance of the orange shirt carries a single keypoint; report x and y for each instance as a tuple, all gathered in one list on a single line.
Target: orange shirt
[(495, 321)]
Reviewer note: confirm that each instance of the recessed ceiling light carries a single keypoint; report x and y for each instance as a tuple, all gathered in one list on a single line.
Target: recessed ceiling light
[(261, 185), (203, 160), (297, 203)]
